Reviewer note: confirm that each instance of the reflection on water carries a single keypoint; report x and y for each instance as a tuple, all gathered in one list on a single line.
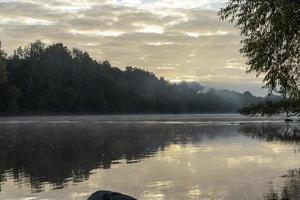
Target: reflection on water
[(55, 153), (274, 132), (279, 133), (290, 188), (149, 160)]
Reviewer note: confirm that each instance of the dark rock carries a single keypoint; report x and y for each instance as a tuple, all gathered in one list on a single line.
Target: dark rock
[(108, 195)]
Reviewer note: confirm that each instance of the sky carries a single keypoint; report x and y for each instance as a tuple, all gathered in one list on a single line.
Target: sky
[(181, 40)]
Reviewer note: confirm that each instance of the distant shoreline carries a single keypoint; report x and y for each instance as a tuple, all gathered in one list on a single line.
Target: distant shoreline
[(58, 114), (207, 118)]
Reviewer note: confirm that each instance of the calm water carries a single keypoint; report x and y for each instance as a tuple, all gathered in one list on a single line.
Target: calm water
[(149, 157)]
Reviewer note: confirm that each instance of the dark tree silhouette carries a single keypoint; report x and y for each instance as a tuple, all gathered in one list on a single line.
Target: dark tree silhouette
[(287, 107), (8, 92), (271, 35), (3, 72), (271, 32), (54, 79)]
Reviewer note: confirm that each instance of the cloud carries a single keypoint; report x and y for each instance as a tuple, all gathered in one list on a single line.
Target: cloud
[(27, 21), (143, 28), (95, 33), (180, 40)]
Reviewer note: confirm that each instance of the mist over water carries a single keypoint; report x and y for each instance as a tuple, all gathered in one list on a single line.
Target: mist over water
[(149, 157)]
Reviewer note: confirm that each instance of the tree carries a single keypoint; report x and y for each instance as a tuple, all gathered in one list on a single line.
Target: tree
[(3, 72), (8, 94), (58, 80), (288, 107), (271, 40)]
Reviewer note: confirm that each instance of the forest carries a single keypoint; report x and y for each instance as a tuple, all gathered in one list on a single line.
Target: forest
[(54, 79)]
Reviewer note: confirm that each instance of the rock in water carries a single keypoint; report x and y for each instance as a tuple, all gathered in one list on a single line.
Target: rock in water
[(108, 195)]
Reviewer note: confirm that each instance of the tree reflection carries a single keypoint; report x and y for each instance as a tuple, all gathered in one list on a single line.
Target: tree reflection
[(278, 132), (42, 153), (283, 133), (290, 189)]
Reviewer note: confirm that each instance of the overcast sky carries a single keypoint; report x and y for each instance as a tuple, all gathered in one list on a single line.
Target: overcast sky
[(181, 40)]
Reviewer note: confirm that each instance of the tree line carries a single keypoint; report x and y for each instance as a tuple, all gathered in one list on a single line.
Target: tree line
[(53, 79)]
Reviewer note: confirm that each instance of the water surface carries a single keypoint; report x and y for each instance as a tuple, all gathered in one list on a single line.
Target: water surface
[(149, 157)]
